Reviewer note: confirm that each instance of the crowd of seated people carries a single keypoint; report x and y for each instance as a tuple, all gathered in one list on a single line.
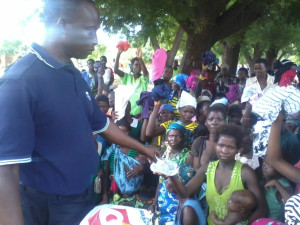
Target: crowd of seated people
[(210, 131)]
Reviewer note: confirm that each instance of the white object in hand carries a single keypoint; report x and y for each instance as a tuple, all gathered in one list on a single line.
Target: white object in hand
[(165, 166)]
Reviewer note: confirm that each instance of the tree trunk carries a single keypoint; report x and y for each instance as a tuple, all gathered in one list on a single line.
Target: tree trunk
[(250, 61), (257, 53), (231, 56), (195, 46), (271, 56), (176, 44), (154, 42)]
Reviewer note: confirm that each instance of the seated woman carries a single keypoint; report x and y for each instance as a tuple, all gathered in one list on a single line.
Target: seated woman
[(225, 176), (187, 109), (124, 168), (203, 148), (168, 203), (275, 159)]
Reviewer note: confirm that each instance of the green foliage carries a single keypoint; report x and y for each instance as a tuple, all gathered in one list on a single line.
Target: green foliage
[(13, 48), (100, 50)]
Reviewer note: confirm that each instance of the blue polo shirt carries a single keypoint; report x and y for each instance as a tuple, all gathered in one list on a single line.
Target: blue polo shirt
[(48, 116)]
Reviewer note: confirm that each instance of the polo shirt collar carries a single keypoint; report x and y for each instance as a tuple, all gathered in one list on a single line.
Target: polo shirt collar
[(270, 79), (44, 56)]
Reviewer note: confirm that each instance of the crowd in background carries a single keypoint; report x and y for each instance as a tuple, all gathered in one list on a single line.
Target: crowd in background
[(234, 159)]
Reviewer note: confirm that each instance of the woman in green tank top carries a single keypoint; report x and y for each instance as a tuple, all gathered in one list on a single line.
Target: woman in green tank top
[(225, 176)]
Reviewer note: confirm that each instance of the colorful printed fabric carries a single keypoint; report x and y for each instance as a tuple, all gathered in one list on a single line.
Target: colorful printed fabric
[(178, 126), (119, 166), (266, 221), (168, 202), (190, 128), (180, 79), (173, 101)]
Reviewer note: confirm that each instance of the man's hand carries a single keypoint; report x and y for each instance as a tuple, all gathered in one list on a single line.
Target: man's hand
[(152, 153)]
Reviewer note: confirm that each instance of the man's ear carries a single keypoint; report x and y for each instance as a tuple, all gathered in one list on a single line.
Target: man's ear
[(62, 23)]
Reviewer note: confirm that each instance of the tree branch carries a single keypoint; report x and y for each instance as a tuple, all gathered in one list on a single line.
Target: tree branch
[(239, 16), (176, 44)]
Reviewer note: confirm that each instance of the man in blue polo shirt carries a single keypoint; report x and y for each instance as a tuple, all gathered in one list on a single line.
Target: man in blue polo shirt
[(48, 116)]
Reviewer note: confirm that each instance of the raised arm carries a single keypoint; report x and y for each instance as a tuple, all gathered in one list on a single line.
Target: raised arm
[(143, 67), (116, 67), (151, 130), (250, 180), (100, 86), (274, 155), (143, 137), (10, 203)]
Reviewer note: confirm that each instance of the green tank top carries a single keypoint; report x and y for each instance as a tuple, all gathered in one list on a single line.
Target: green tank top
[(217, 202)]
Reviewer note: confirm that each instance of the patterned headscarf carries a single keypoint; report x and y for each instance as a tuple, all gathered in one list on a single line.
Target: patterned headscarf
[(180, 79), (178, 126)]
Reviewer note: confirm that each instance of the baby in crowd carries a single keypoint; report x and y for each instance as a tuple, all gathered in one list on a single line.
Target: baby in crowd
[(240, 206)]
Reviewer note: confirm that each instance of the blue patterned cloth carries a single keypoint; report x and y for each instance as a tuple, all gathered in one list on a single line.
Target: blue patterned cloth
[(168, 204), (122, 164), (180, 79)]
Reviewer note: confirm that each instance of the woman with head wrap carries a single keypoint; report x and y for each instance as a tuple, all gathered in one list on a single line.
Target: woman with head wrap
[(168, 203), (186, 106), (178, 85), (208, 73)]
